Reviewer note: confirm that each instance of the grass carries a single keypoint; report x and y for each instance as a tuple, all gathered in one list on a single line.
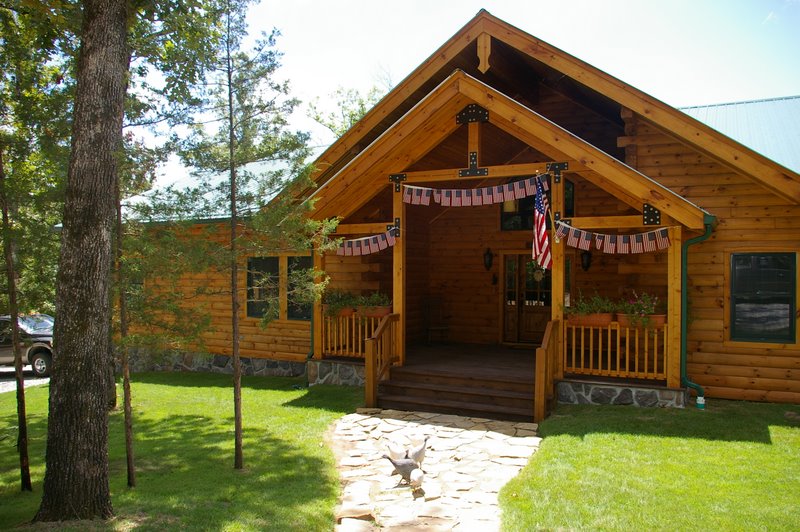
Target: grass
[(735, 466), (183, 425)]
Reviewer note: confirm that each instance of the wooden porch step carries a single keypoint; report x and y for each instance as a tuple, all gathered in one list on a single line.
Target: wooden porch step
[(466, 394), (426, 375), (443, 406)]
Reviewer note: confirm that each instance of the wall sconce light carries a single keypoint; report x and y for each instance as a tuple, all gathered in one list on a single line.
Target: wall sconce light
[(488, 259), (586, 260)]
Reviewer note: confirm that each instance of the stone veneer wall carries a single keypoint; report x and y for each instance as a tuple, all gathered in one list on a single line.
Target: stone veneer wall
[(318, 371), (205, 363), (335, 372), (603, 393)]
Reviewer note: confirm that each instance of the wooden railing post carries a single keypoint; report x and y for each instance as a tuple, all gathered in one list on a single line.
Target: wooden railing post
[(370, 373)]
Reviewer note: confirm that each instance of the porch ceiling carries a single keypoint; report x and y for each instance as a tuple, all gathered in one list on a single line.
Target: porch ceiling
[(431, 126)]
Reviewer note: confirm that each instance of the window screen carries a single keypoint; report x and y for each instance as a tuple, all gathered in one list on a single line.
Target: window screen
[(262, 284), (298, 307)]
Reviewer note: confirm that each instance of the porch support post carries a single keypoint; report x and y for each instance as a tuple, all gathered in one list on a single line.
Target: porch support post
[(557, 277), (674, 266), (399, 272), (317, 322)]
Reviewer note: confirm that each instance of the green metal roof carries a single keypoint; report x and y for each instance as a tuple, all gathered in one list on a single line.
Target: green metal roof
[(770, 127)]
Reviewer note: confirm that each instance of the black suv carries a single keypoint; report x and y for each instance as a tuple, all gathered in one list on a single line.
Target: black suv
[(36, 332)]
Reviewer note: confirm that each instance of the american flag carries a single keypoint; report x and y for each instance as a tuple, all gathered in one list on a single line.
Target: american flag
[(598, 241), (407, 195), (466, 201), (572, 239), (457, 198), (650, 241), (624, 244), (586, 240), (637, 244), (610, 244), (541, 242), (662, 238)]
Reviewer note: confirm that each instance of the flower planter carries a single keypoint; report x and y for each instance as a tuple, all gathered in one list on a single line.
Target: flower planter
[(633, 322), (591, 320), (375, 312), (341, 313)]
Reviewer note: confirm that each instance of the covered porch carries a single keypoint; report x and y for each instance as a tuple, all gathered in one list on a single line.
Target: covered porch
[(465, 275)]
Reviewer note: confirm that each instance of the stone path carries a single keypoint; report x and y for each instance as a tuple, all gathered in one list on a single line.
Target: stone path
[(467, 461)]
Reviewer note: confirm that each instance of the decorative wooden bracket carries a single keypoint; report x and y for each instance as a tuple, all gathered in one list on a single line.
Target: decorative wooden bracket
[(650, 215), (473, 170), (397, 179), (395, 229), (472, 113), (484, 51), (556, 169)]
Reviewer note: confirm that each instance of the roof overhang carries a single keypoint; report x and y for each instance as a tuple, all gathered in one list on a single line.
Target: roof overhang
[(433, 119)]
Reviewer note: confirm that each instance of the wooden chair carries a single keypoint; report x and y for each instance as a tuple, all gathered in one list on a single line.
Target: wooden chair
[(437, 321)]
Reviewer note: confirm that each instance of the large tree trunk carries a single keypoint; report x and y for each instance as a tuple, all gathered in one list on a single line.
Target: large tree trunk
[(8, 249), (76, 478)]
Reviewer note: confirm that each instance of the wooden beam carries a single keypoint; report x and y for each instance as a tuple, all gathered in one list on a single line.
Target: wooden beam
[(608, 222), (399, 272), (474, 141), (363, 229), (674, 266), (451, 174), (317, 330), (484, 51), (618, 178)]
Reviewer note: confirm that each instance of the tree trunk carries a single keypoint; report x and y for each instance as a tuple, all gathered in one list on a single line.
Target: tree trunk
[(123, 333), (238, 459), (8, 248), (76, 479)]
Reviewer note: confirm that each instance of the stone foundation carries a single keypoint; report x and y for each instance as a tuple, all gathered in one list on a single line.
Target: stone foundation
[(603, 393), (335, 372), (140, 360)]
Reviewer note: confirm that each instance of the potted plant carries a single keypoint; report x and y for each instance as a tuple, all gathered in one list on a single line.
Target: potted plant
[(596, 311), (374, 305), (640, 310), (338, 303)]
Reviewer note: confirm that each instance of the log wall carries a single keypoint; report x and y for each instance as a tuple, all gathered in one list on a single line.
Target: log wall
[(750, 219)]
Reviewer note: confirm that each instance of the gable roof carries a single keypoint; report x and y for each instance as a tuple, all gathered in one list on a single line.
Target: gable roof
[(770, 127), (433, 119), (512, 51)]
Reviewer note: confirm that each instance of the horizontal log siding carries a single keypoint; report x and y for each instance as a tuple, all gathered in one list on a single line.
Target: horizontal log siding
[(750, 218), (288, 340)]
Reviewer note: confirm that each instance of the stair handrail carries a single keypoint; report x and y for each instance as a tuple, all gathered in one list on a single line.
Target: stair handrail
[(380, 352), (547, 357)]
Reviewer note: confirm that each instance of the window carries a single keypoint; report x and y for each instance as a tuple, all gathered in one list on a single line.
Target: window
[(517, 215), (297, 307), (274, 285), (763, 296), (262, 283)]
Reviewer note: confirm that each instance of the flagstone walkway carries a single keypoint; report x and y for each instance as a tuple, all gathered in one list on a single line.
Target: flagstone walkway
[(467, 461)]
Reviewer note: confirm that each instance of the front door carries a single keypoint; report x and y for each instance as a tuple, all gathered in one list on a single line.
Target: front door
[(526, 301)]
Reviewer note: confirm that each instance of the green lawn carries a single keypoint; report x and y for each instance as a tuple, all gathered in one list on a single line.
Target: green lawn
[(735, 466), (184, 455)]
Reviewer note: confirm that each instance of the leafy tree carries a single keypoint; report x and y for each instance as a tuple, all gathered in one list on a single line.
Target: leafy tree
[(350, 105), (76, 477), (249, 141)]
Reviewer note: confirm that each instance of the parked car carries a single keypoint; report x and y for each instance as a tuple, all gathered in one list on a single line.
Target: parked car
[(36, 332)]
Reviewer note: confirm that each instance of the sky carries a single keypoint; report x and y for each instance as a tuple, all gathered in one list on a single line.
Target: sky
[(683, 52)]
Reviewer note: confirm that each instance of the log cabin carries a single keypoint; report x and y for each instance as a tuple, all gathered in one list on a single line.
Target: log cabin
[(437, 190)]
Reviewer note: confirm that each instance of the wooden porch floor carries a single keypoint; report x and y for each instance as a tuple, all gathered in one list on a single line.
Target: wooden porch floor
[(474, 361)]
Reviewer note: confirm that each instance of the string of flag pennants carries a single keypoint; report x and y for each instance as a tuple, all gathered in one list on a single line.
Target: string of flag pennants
[(367, 245), (655, 240), (473, 197)]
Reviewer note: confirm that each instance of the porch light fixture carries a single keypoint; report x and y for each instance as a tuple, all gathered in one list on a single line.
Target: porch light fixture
[(586, 260), (488, 259)]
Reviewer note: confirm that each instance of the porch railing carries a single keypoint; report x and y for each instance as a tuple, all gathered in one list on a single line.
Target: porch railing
[(615, 351), (381, 352), (546, 369), (345, 336)]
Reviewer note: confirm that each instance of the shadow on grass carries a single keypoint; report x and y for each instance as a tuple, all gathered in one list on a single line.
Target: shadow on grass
[(721, 421), (218, 380)]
